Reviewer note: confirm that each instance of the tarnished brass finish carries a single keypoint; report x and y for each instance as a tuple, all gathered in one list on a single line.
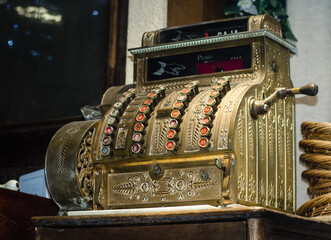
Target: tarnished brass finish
[(69, 171), (187, 140), (149, 38)]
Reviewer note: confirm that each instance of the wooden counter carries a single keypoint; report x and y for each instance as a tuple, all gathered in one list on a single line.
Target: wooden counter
[(16, 210), (210, 223)]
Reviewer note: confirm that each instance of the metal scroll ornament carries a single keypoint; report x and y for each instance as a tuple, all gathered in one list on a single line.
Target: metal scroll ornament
[(84, 166)]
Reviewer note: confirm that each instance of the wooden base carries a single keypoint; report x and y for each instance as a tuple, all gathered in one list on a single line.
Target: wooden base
[(217, 223)]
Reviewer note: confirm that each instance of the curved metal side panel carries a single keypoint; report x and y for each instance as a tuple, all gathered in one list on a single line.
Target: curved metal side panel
[(264, 147), (68, 168)]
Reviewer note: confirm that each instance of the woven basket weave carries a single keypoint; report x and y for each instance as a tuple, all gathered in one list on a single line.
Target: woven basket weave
[(317, 157)]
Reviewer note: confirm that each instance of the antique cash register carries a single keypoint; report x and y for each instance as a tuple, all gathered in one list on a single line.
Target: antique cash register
[(211, 120)]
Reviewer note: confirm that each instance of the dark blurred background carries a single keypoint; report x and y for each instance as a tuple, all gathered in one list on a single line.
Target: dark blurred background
[(53, 57)]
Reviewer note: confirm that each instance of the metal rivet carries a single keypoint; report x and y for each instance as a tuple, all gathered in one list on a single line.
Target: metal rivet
[(156, 170)]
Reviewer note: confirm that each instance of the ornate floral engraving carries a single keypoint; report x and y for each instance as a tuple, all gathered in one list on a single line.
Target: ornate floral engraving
[(280, 140), (121, 137), (65, 140), (290, 198), (280, 194), (271, 138), (271, 194), (159, 136), (251, 141), (257, 61), (223, 139), (289, 135), (175, 185), (84, 166), (230, 105), (170, 100), (241, 132), (252, 188), (193, 134), (241, 186), (262, 191), (272, 26), (290, 158)]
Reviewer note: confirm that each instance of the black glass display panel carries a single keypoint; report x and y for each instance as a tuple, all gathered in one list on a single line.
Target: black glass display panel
[(208, 29), (197, 63)]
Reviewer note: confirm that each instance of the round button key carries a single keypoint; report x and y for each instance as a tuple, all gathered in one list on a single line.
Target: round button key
[(111, 121), (175, 114), (132, 90), (186, 91), (144, 109), (114, 113), (106, 140), (222, 82), (182, 98), (211, 102), (179, 105), (225, 81), (137, 137), (170, 145), (109, 130), (148, 102), (136, 148), (204, 142), (218, 88), (214, 94), (206, 120), (196, 83), (172, 134), (204, 131), (105, 151), (141, 117), (173, 123), (190, 86), (128, 95), (152, 95), (139, 127), (118, 105), (208, 110), (157, 91), (122, 100)]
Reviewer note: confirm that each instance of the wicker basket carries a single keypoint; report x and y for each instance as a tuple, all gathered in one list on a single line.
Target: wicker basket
[(317, 157), (317, 131)]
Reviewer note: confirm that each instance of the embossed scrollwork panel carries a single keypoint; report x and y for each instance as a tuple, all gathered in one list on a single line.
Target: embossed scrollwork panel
[(176, 185)]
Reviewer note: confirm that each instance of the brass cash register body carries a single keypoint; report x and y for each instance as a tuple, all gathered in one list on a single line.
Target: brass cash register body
[(185, 135)]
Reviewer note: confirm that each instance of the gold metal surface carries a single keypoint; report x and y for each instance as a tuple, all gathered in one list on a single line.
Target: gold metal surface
[(248, 161)]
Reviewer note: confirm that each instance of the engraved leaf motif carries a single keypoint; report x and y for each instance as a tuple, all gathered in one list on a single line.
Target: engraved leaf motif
[(64, 146), (190, 133), (157, 135), (203, 184), (126, 188), (160, 135), (241, 120), (196, 133)]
